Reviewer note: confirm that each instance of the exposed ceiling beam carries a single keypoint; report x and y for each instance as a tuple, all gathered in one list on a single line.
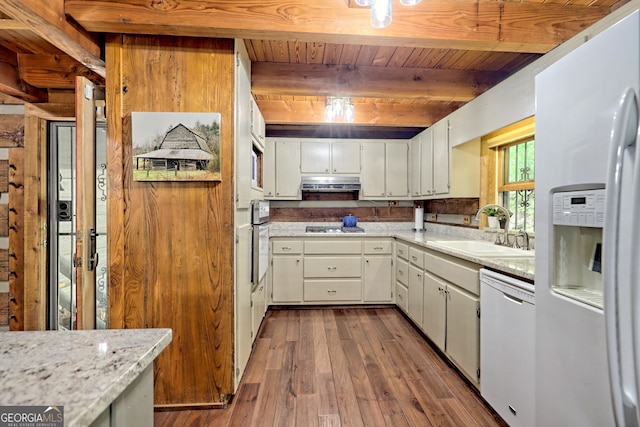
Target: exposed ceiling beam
[(268, 78), (470, 25), (370, 114), (47, 19), (53, 71), (10, 82)]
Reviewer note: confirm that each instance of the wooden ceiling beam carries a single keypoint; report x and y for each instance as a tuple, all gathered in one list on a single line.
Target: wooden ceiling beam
[(11, 83), (468, 25), (47, 19), (53, 71), (378, 114), (269, 78)]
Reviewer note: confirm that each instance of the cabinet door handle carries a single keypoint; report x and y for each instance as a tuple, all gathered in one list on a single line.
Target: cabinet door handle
[(332, 268), (413, 257), (400, 251), (400, 273), (298, 260), (367, 261)]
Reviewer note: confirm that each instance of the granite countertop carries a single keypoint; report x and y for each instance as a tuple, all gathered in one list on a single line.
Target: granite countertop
[(520, 267), (84, 371)]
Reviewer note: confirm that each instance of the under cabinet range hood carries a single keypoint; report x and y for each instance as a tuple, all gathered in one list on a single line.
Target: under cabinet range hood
[(332, 184)]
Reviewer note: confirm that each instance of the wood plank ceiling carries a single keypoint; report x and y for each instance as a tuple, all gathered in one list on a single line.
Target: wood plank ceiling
[(433, 58)]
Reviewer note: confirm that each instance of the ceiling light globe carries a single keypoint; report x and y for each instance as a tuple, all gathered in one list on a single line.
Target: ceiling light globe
[(409, 2)]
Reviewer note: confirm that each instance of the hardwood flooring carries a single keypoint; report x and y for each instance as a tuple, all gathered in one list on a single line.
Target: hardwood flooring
[(344, 367)]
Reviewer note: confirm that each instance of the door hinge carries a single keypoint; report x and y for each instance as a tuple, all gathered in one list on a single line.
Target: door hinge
[(478, 373), (237, 239), (478, 312), (237, 59)]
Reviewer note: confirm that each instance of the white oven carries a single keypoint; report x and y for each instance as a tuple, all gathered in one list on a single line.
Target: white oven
[(260, 241)]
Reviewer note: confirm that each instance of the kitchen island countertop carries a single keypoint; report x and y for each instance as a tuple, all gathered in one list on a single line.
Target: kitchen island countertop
[(83, 371)]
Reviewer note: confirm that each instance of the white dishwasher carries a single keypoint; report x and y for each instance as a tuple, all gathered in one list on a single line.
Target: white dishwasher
[(507, 319)]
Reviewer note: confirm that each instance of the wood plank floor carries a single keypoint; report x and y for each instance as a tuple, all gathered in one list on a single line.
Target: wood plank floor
[(344, 367)]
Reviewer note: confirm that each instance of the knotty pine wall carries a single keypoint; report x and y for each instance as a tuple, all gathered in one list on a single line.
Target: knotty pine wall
[(171, 244)]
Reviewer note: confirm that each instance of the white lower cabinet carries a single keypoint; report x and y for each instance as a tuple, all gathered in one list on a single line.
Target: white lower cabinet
[(463, 331), (414, 306), (402, 281), (377, 271), (318, 270), (434, 310), (286, 271), (258, 306)]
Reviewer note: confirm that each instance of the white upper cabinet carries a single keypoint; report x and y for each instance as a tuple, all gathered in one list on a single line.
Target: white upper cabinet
[(441, 157), (345, 157), (385, 174), (372, 177), (414, 167), (282, 169), (315, 157), (329, 156), (396, 169), (445, 171), (426, 162), (257, 124)]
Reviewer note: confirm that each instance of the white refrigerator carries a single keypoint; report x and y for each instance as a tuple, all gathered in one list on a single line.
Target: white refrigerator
[(586, 217)]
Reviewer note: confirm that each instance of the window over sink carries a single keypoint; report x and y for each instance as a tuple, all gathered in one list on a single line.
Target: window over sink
[(512, 151)]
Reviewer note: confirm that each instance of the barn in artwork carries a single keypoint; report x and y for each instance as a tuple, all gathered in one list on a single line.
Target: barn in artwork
[(181, 149)]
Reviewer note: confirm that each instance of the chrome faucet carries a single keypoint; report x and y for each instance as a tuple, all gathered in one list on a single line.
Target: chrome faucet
[(525, 240), (506, 224)]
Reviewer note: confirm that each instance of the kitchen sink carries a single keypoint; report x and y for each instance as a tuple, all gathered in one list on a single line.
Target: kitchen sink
[(482, 249)]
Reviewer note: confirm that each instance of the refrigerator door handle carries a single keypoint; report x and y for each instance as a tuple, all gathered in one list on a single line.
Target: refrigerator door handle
[(635, 277), (623, 136)]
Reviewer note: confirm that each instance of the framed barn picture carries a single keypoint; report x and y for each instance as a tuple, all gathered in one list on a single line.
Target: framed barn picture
[(176, 146)]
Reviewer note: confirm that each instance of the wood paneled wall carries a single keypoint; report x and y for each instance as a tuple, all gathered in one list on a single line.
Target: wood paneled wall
[(171, 244)]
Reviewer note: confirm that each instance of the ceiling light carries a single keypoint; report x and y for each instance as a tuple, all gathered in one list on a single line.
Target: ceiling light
[(338, 108), (381, 10)]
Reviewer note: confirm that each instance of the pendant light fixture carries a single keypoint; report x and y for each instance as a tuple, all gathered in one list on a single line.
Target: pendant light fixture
[(338, 108), (381, 10)]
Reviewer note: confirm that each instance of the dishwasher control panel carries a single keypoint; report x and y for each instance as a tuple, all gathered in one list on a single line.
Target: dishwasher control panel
[(510, 286)]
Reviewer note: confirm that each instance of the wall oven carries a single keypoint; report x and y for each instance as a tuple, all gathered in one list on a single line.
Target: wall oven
[(260, 240)]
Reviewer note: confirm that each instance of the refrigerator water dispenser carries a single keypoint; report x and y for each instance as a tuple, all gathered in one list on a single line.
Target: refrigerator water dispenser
[(578, 220)]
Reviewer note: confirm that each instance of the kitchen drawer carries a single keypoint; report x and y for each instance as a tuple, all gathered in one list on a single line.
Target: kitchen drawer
[(461, 273), (402, 296), (416, 257), (372, 247), (287, 246), (333, 246), (402, 271), (402, 251), (330, 267), (333, 290)]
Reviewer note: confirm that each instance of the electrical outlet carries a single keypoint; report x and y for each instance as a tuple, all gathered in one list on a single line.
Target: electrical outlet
[(466, 219)]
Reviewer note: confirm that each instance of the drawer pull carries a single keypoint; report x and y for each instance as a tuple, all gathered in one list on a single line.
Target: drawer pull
[(413, 257), (286, 248), (378, 248), (332, 268), (400, 296), (400, 272), (400, 251), (331, 291)]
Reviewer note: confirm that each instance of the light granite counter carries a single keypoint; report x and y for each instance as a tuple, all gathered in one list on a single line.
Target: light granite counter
[(520, 267), (84, 371)]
